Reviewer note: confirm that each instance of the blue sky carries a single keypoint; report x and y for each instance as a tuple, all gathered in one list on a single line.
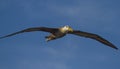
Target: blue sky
[(71, 52)]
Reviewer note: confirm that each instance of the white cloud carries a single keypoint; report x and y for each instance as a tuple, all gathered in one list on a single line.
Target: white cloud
[(42, 65), (87, 13)]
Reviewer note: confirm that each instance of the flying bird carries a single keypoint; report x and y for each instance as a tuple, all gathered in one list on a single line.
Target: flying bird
[(56, 33)]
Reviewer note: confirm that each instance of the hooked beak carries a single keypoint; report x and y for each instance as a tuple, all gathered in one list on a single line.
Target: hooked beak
[(70, 29)]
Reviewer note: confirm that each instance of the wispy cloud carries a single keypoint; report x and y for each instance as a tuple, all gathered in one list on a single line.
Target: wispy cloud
[(42, 65), (87, 13)]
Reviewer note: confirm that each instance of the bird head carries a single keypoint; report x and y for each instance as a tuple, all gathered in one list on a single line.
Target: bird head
[(66, 29)]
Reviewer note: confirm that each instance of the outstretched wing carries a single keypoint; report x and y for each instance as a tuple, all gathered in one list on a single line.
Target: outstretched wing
[(45, 29), (93, 36)]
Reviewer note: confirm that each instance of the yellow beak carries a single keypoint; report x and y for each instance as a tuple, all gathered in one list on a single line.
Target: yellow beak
[(70, 29)]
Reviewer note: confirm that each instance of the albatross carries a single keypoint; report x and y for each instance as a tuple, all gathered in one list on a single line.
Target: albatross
[(56, 33)]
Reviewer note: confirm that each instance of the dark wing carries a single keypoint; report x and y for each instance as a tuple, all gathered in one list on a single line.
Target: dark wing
[(93, 36), (45, 29)]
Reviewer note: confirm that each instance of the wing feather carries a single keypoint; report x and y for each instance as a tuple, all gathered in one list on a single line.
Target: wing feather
[(95, 37), (45, 29)]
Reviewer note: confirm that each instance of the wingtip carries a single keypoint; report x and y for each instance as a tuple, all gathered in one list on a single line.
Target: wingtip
[(2, 37), (116, 48)]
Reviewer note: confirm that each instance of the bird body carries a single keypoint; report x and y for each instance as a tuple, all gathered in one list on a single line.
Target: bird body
[(60, 33), (56, 33)]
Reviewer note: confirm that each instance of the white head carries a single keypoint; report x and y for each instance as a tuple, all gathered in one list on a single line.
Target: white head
[(66, 29)]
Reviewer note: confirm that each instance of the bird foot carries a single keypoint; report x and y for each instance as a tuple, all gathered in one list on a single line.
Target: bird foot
[(48, 39)]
